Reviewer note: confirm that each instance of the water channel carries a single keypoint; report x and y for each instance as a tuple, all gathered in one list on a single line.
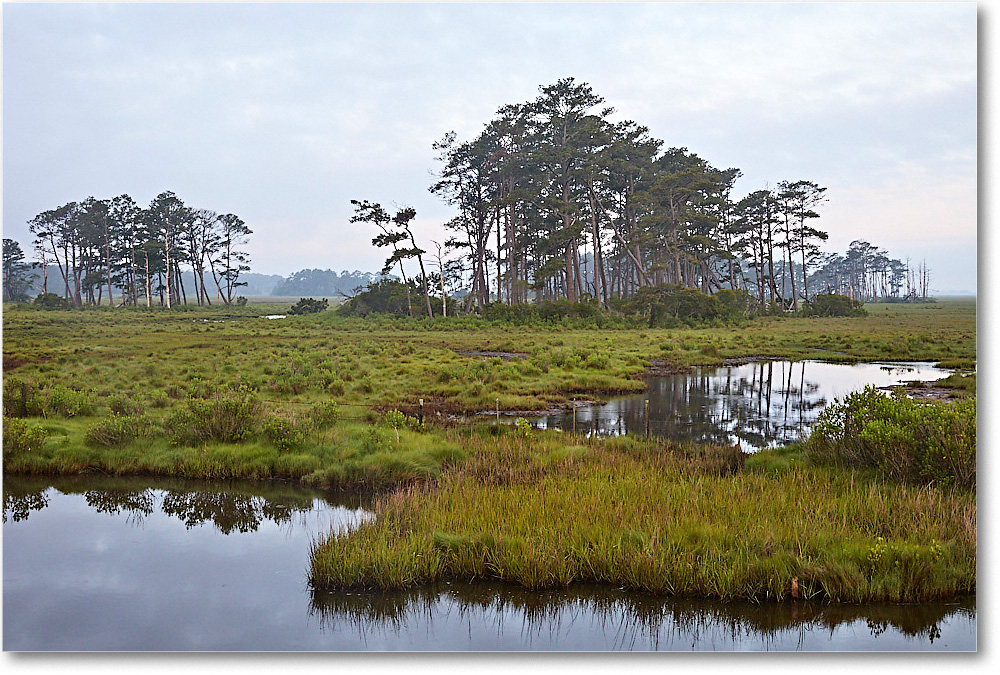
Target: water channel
[(114, 564), (758, 405), (111, 564)]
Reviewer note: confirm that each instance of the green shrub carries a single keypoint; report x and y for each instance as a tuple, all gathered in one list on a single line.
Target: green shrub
[(52, 301), (831, 304), (65, 402), (158, 398), (548, 312), (122, 404), (118, 430), (228, 417), (20, 437), (735, 305), (324, 414), (922, 442), (378, 439), (282, 432), (289, 383), (670, 305), (18, 397), (309, 306)]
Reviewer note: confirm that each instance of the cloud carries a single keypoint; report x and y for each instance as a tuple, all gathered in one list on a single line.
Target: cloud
[(282, 113)]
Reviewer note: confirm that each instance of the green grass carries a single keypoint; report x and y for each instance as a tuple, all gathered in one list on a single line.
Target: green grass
[(348, 455), (654, 517), (535, 509), (160, 356)]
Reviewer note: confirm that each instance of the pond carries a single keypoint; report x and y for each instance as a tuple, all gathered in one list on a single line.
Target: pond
[(758, 405), (114, 564)]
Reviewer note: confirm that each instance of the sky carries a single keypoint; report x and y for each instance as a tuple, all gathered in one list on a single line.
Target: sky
[(283, 113)]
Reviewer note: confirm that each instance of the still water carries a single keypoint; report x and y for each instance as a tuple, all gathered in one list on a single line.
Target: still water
[(113, 564), (759, 405)]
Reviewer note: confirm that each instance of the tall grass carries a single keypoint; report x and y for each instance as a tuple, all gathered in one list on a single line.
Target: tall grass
[(645, 517)]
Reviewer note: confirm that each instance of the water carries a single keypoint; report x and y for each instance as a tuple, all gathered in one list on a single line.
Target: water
[(758, 405), (113, 564)]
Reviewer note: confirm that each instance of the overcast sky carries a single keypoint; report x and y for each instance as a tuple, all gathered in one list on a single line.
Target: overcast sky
[(283, 113)]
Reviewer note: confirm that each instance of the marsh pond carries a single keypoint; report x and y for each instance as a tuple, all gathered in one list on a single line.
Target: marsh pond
[(114, 564), (100, 563), (759, 404)]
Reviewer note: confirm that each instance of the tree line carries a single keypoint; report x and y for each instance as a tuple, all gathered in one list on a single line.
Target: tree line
[(556, 201), (100, 246)]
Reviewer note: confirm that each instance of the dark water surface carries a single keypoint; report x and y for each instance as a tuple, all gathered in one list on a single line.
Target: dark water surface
[(113, 564), (760, 404)]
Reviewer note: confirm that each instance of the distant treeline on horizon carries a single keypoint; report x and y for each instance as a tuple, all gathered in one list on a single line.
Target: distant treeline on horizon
[(304, 283)]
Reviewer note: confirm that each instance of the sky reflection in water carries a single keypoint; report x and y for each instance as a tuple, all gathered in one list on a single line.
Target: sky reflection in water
[(112, 564), (761, 404)]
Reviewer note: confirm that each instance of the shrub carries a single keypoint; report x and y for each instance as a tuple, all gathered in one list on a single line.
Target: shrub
[(282, 432), (118, 430), (377, 439), (309, 306), (735, 305), (324, 414), (20, 437), (289, 383), (548, 312), (52, 301), (66, 402), (386, 296), (18, 397), (122, 404), (394, 419), (158, 398), (832, 304), (669, 305), (921, 442), (228, 417)]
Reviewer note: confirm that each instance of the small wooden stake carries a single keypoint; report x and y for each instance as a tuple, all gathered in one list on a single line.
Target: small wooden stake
[(498, 411), (421, 418), (647, 418)]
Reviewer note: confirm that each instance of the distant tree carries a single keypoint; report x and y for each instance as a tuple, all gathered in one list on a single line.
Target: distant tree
[(167, 219), (17, 274), (396, 231), (57, 231), (322, 282), (127, 234), (202, 240), (228, 261), (797, 201)]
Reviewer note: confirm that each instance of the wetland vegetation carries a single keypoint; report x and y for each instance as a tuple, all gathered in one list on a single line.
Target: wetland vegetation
[(879, 506)]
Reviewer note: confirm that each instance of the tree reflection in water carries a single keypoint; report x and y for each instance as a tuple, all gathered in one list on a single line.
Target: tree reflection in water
[(228, 506), (629, 620), (759, 404)]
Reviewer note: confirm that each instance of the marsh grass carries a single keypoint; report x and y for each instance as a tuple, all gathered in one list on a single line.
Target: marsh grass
[(655, 518), (163, 358), (537, 509)]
